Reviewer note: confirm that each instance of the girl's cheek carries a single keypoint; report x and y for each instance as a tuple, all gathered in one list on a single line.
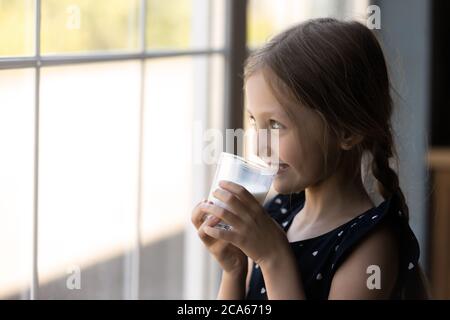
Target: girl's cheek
[(289, 149)]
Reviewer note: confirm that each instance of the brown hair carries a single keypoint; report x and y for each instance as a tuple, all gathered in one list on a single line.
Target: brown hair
[(337, 68)]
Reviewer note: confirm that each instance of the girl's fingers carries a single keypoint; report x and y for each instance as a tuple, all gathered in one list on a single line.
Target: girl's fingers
[(220, 234), (242, 194), (198, 216), (207, 240), (222, 214), (235, 205)]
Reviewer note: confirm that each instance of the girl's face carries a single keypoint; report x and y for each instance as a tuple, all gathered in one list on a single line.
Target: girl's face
[(300, 142)]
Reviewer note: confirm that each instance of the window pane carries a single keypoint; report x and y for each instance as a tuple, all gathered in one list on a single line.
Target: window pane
[(174, 88), (185, 24), (267, 17), (16, 181), (88, 178), (169, 23), (169, 102), (16, 27), (86, 25)]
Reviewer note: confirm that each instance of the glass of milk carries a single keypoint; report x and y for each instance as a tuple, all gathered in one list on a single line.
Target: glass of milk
[(255, 177)]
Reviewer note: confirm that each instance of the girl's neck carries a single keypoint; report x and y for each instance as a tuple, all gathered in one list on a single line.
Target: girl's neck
[(336, 196)]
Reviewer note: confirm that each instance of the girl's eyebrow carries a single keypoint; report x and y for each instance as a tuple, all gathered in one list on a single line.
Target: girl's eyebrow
[(264, 113)]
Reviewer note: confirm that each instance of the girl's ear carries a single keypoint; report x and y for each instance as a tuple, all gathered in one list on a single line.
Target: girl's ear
[(348, 140)]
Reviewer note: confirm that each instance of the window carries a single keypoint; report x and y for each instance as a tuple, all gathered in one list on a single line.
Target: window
[(97, 105), (266, 18), (16, 179), (16, 27)]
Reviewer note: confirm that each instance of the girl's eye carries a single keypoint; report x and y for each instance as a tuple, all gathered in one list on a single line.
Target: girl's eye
[(275, 125)]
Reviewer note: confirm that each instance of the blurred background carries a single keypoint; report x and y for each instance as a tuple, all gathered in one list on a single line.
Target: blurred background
[(100, 105)]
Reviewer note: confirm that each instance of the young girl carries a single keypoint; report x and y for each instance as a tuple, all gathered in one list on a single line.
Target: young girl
[(324, 85)]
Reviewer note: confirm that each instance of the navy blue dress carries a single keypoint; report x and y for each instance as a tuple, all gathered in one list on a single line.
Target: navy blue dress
[(319, 257)]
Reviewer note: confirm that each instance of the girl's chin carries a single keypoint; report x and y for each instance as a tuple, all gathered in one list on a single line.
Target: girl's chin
[(283, 184)]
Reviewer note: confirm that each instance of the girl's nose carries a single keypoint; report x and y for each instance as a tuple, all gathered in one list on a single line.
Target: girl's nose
[(267, 147)]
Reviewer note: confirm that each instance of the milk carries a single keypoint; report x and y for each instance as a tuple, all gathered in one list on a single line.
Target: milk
[(253, 177), (259, 192), (260, 196)]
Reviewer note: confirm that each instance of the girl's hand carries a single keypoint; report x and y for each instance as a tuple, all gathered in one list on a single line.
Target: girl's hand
[(253, 231), (232, 260)]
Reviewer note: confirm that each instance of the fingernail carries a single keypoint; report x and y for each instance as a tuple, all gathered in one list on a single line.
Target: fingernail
[(212, 220)]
